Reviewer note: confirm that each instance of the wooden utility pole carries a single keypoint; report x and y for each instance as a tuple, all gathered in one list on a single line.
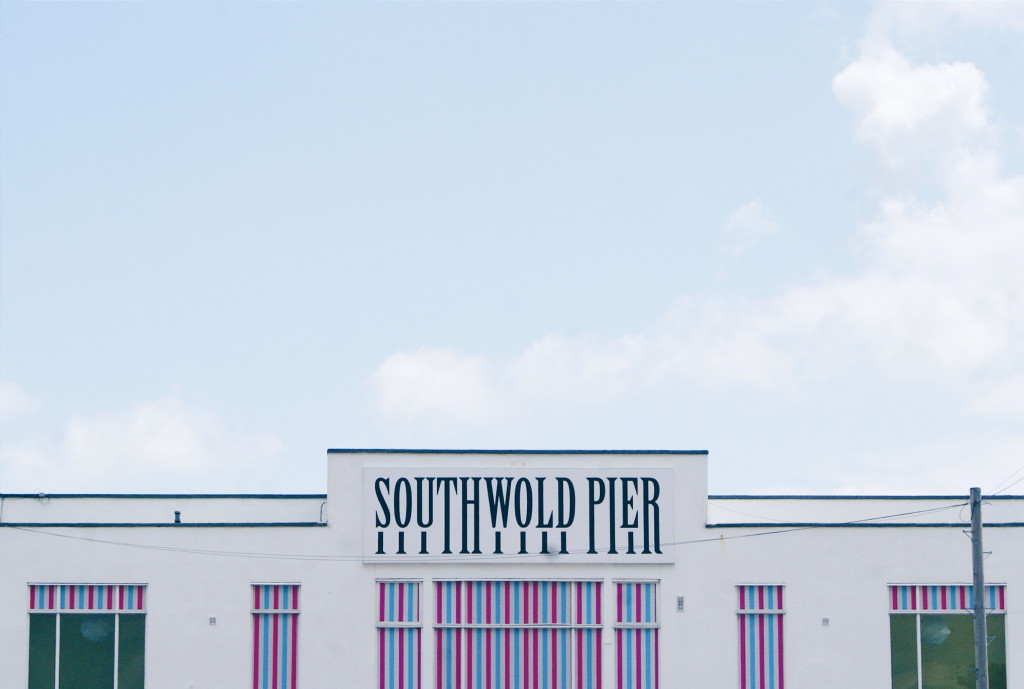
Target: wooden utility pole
[(980, 628)]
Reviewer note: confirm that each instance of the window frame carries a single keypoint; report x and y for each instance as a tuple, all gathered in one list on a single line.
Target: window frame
[(953, 600), (624, 628), (747, 611), (573, 680), (415, 625), (81, 600), (280, 611)]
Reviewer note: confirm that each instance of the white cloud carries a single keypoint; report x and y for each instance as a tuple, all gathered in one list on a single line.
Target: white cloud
[(907, 20), (441, 384), (15, 401), (909, 112), (939, 296), (747, 225), (187, 449)]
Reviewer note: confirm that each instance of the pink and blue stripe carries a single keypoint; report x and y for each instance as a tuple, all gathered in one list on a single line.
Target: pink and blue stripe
[(398, 661), (528, 636), (918, 598), (636, 645), (761, 637), (92, 597), (275, 636)]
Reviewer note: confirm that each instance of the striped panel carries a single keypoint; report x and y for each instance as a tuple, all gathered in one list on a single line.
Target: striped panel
[(274, 656), (588, 602), (761, 650), (760, 598), (588, 658), (516, 658), (942, 598), (280, 597), (511, 602), (508, 652), (275, 636), (398, 601), (636, 602), (399, 658), (636, 646), (636, 653), (398, 645), (97, 597)]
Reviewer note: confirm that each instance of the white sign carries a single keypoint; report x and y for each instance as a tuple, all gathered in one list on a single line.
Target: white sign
[(516, 515)]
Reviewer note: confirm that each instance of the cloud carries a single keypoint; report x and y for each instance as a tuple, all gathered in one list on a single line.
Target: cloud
[(187, 448), (908, 112), (938, 296), (747, 225), (15, 401), (441, 384)]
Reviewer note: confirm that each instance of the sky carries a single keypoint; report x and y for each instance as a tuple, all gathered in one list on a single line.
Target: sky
[(234, 235)]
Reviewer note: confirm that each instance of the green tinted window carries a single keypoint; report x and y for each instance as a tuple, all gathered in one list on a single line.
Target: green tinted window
[(131, 652), (87, 651), (945, 644), (903, 647), (78, 649), (42, 645)]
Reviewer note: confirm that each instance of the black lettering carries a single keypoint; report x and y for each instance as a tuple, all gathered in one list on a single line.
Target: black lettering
[(424, 523), (402, 485), (498, 498), (446, 483), (566, 496), (611, 517), (466, 502), (383, 502), (523, 516), (594, 501), (627, 502), (541, 524), (652, 514)]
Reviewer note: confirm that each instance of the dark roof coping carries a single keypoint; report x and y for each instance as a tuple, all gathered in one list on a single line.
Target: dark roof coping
[(174, 496), (861, 497)]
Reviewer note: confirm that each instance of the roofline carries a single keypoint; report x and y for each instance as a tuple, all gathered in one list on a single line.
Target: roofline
[(860, 497), (350, 451), (860, 525), (173, 525), (173, 496)]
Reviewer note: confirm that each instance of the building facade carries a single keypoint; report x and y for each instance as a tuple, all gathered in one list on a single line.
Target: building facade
[(504, 570)]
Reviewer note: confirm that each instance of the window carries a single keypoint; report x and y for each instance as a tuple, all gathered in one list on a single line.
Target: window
[(398, 634), (636, 635), (518, 634), (86, 635), (275, 629), (931, 636), (760, 618)]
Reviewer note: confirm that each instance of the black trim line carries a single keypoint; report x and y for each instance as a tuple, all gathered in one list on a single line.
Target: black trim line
[(183, 525), (855, 525), (860, 497), (173, 496)]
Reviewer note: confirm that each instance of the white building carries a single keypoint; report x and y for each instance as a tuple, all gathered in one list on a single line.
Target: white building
[(502, 569)]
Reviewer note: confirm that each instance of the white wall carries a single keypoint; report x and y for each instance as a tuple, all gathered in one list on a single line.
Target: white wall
[(838, 573)]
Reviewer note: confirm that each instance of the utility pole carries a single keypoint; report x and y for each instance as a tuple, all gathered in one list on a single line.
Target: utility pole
[(980, 628)]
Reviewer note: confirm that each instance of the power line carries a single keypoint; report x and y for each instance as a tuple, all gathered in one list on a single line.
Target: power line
[(997, 492), (443, 559)]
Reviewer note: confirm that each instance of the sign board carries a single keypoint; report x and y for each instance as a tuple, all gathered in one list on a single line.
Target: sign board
[(517, 515)]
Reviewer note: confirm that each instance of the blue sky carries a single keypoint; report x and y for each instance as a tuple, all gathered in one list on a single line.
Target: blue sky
[(233, 235)]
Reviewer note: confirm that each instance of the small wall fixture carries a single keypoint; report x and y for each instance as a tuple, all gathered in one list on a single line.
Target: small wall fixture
[(177, 516), (213, 620), (824, 621), (680, 604)]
